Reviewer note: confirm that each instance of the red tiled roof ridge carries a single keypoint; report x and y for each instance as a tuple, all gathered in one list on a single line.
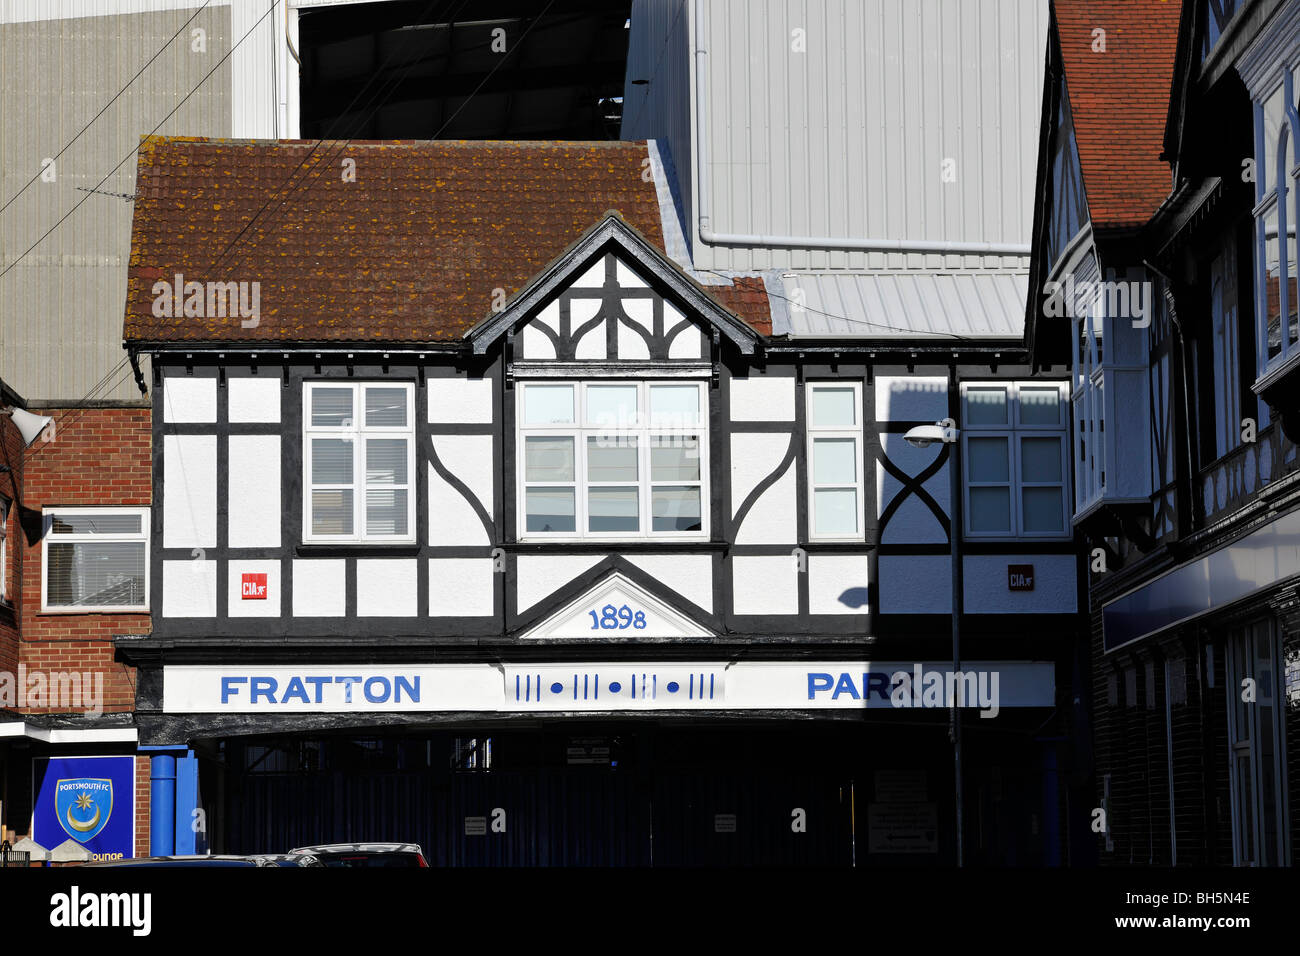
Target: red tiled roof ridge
[(1119, 101)]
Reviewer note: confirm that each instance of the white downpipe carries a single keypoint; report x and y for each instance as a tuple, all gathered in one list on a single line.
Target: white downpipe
[(799, 242)]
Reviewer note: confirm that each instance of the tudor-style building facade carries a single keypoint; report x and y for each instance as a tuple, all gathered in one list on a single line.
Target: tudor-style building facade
[(555, 569), (1165, 170)]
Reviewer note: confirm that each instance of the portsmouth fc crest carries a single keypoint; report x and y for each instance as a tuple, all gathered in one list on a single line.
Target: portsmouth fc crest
[(84, 805)]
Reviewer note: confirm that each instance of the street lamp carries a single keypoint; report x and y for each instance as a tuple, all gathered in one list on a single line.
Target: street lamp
[(923, 436)]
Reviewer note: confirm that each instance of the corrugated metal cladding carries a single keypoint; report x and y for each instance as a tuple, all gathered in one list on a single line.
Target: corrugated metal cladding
[(836, 118), (970, 305), (61, 306), (660, 108), (19, 11)]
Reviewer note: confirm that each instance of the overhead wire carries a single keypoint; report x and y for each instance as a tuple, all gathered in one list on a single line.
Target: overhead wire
[(116, 96)]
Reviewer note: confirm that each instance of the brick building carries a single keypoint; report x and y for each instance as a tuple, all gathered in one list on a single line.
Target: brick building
[(73, 500), (1164, 272)]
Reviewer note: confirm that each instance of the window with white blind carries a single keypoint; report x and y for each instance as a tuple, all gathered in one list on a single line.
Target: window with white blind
[(358, 463), (834, 460), (612, 459), (95, 559), (1014, 449)]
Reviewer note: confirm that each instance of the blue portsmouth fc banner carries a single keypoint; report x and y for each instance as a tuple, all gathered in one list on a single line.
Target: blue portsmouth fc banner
[(87, 799)]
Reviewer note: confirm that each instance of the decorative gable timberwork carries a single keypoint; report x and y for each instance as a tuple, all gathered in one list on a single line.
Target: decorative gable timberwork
[(609, 313), (612, 296)]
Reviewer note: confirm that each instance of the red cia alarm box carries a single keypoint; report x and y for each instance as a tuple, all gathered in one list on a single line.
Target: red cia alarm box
[(253, 586), (1020, 577)]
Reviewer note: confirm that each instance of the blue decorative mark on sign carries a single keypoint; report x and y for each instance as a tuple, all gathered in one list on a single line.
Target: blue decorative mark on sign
[(88, 799), (639, 686)]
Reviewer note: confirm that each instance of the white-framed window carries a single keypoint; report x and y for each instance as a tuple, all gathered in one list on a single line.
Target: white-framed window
[(1277, 185), (1014, 447), (613, 459), (835, 490), (358, 463), (1226, 347), (1088, 401), (1256, 737), (95, 559), (4, 549)]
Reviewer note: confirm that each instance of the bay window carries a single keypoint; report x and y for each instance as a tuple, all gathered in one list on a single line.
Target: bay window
[(834, 460), (612, 459), (1277, 126), (95, 559), (358, 463), (1014, 446), (1109, 394)]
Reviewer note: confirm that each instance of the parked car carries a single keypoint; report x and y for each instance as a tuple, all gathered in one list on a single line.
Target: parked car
[(264, 859), (364, 855)]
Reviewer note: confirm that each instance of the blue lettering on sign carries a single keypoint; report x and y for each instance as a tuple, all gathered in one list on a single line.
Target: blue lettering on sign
[(878, 683), (295, 689), (412, 690), (818, 683), (319, 683), (845, 686), (228, 687), (381, 696), (377, 690)]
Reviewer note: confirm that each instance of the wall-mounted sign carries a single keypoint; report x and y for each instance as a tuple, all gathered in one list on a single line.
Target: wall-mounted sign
[(476, 826), (724, 823), (606, 686), (88, 799), (590, 751), (1020, 577), (902, 828), (252, 586)]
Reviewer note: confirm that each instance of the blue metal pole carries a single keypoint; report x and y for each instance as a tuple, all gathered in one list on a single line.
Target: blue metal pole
[(187, 801), (162, 805)]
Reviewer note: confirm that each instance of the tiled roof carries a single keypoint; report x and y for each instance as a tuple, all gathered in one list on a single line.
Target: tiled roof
[(1119, 101), (423, 244)]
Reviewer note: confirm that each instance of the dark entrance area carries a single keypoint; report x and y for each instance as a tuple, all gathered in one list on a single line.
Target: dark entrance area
[(836, 793)]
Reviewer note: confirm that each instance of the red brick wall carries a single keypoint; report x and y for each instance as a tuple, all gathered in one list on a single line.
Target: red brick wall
[(11, 454), (98, 456), (141, 806)]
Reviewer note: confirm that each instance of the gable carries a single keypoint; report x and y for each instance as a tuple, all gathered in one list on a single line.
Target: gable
[(610, 313), (1067, 204), (613, 297), (616, 609)]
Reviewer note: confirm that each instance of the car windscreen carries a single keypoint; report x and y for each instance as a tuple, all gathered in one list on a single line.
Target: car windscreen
[(370, 859)]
